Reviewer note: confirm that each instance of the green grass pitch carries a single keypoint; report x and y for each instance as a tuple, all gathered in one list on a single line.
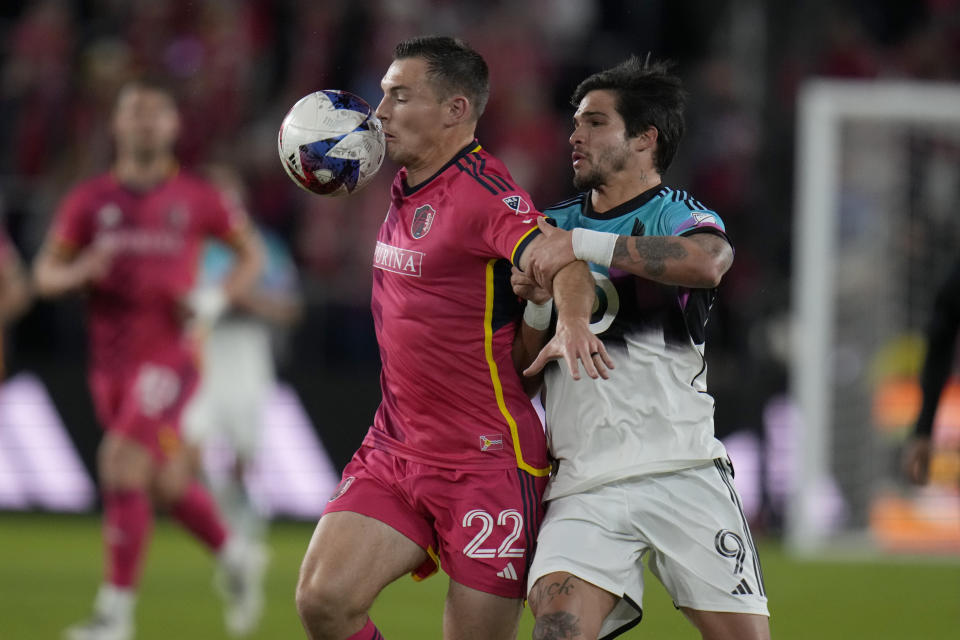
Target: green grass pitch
[(50, 568)]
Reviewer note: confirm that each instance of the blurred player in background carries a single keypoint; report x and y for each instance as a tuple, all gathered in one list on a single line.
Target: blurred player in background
[(131, 239), (452, 469), (941, 347), (15, 292), (639, 470), (238, 374)]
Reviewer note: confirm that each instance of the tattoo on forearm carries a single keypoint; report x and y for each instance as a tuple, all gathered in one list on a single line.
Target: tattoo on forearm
[(557, 625), (651, 252)]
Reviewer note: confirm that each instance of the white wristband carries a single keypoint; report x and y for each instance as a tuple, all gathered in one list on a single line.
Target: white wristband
[(208, 304), (538, 315), (594, 246)]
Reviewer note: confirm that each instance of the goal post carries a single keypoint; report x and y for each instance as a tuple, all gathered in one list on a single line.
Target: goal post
[(825, 107)]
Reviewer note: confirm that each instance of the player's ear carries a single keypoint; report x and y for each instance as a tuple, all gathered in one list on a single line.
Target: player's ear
[(646, 140), (458, 110)]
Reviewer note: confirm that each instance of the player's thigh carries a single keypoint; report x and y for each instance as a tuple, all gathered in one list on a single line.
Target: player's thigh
[(351, 557), (702, 549), (469, 614), (566, 606), (721, 625), (124, 463), (486, 523)]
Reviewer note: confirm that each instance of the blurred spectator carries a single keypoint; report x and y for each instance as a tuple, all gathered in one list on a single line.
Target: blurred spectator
[(14, 290)]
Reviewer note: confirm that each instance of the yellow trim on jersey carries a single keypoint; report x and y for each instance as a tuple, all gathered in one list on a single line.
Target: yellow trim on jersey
[(513, 253), (475, 149), (495, 377)]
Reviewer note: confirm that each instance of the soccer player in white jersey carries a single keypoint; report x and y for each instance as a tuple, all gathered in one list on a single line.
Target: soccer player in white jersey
[(638, 469)]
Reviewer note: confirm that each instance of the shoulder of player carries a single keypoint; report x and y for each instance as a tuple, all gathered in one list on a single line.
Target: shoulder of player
[(575, 203), (681, 200), (485, 174)]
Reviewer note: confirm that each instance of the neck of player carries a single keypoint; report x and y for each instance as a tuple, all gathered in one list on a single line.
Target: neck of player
[(622, 187), (143, 171), (438, 156)]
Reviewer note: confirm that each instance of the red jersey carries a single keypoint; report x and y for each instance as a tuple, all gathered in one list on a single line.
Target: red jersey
[(157, 235), (446, 317)]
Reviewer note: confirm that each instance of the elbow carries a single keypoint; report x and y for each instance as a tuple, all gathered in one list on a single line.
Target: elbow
[(712, 273)]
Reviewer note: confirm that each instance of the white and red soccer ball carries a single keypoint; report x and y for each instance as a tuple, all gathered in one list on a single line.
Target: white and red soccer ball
[(331, 143)]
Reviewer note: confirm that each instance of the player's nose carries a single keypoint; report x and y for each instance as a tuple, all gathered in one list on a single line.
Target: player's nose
[(381, 110)]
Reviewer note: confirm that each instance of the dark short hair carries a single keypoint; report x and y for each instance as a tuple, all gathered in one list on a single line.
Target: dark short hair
[(647, 95), (452, 66)]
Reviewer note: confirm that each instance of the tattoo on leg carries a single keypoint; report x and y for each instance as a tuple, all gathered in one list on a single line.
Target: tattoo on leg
[(652, 252), (544, 592), (557, 626)]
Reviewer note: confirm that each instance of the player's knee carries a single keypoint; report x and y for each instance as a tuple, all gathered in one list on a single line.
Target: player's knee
[(559, 624), (324, 602), (122, 467)]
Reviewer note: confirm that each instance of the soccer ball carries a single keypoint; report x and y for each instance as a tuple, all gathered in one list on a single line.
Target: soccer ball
[(330, 143)]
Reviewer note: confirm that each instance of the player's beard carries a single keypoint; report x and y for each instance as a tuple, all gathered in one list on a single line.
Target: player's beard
[(608, 161)]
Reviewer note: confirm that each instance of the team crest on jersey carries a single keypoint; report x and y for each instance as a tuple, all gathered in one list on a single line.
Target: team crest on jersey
[(517, 204), (422, 221), (702, 217), (342, 487), (492, 442), (109, 215)]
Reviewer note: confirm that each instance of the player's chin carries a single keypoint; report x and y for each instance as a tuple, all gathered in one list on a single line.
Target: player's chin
[(395, 152)]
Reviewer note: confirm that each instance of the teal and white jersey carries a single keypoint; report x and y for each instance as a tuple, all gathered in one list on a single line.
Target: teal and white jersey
[(654, 414)]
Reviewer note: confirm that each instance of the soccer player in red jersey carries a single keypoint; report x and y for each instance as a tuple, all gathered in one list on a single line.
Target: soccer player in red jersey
[(130, 239), (451, 472), (14, 288)]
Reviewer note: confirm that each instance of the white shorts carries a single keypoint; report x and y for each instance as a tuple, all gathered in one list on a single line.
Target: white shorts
[(236, 381), (691, 523)]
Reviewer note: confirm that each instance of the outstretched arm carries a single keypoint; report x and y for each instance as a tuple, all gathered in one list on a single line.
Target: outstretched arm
[(59, 269), (574, 293), (697, 261), (534, 329)]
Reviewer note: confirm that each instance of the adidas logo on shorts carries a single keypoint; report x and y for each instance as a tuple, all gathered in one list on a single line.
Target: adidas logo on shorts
[(508, 572), (742, 589)]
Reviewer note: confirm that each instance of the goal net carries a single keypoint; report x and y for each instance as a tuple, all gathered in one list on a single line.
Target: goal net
[(877, 227)]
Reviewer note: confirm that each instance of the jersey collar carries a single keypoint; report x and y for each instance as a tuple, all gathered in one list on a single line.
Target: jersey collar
[(408, 191), (629, 206)]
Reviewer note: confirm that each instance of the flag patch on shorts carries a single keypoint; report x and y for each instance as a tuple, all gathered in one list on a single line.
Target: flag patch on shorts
[(491, 443)]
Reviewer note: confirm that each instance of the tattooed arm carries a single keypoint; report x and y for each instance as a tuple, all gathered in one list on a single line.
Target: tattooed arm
[(696, 261)]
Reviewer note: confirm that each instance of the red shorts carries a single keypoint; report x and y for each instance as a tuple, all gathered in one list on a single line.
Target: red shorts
[(144, 402), (480, 526)]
